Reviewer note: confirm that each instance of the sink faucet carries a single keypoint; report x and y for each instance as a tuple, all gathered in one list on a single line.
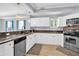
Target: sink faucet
[(7, 34)]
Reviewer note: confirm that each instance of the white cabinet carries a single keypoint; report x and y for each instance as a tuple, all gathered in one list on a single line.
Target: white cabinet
[(52, 38), (7, 49), (30, 41), (2, 51), (34, 38), (40, 22)]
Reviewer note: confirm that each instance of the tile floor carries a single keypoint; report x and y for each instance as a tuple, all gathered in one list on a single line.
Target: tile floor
[(50, 50)]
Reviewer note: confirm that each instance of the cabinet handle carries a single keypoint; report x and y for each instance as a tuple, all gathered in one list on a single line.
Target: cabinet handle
[(13, 46), (9, 44)]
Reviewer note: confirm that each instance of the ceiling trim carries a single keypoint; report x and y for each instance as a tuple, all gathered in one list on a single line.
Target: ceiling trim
[(57, 9), (30, 6), (57, 15)]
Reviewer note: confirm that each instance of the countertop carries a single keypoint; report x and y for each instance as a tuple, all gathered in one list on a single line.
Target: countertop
[(11, 37)]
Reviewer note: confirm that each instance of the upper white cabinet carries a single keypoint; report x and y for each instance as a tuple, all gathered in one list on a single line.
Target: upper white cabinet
[(48, 22), (40, 22)]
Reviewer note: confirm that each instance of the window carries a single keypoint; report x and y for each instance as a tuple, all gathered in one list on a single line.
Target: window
[(21, 24), (9, 25), (0, 25), (53, 23)]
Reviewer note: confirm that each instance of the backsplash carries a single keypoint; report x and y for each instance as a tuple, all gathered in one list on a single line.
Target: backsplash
[(3, 34)]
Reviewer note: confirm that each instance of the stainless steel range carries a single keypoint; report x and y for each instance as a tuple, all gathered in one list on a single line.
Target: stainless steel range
[(71, 39)]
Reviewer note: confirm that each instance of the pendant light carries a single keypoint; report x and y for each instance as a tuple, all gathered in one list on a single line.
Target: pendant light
[(17, 17)]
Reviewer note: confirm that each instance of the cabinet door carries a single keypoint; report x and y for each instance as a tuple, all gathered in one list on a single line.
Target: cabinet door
[(9, 48), (28, 43), (2, 50), (43, 38), (32, 40), (54, 39)]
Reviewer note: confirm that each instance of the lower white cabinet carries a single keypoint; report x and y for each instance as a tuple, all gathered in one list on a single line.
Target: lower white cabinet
[(50, 38), (44, 38), (7, 49), (30, 41), (2, 51)]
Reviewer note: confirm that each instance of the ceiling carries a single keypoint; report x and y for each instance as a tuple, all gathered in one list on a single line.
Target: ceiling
[(38, 9), (12, 9), (54, 9)]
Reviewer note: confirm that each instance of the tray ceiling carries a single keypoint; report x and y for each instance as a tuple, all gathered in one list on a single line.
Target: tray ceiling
[(39, 9), (54, 9)]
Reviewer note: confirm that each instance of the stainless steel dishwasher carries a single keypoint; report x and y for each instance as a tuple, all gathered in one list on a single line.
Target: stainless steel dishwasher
[(20, 46)]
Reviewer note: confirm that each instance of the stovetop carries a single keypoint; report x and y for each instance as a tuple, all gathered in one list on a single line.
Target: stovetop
[(72, 34)]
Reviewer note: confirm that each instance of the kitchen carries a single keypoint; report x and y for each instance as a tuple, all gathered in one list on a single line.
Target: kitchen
[(39, 29)]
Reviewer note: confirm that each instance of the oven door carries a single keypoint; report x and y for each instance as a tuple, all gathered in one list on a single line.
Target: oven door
[(70, 39)]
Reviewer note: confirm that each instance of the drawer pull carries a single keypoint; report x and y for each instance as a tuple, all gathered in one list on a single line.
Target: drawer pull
[(10, 44)]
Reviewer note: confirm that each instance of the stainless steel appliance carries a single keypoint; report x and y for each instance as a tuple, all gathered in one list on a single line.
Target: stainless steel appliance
[(71, 40), (72, 21), (20, 46)]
